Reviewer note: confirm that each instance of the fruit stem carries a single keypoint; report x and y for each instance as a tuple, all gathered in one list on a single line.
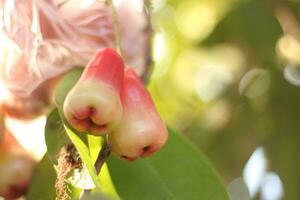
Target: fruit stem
[(148, 8), (103, 156), (116, 23)]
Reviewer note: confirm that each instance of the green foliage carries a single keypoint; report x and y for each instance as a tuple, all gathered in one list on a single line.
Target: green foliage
[(43, 181), (178, 171), (95, 197), (84, 152), (55, 136)]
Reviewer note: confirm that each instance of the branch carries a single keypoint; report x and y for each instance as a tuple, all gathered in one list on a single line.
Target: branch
[(116, 23), (148, 32), (103, 156)]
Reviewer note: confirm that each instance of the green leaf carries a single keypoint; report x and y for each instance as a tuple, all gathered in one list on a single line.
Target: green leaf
[(96, 197), (84, 152), (43, 181), (179, 171), (55, 136)]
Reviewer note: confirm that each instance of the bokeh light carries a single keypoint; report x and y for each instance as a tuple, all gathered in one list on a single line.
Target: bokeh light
[(272, 188), (30, 134), (254, 171), (292, 74), (254, 83)]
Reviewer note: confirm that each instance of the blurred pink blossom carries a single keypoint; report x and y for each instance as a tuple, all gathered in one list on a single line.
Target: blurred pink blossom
[(41, 40)]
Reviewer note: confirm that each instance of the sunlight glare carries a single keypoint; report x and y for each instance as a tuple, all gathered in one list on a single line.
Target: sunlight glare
[(3, 92), (255, 83), (30, 134), (216, 116), (254, 170), (159, 48), (272, 187), (288, 47), (238, 190), (291, 74), (211, 80), (117, 2), (138, 5), (158, 4), (196, 19)]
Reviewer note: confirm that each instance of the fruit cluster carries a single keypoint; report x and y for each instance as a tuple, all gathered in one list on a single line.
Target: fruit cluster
[(109, 99)]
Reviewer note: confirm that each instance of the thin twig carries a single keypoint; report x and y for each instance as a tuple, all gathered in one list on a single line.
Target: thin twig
[(116, 23), (148, 32), (103, 156)]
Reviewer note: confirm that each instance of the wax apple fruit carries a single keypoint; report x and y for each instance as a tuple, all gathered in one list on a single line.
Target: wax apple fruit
[(16, 168), (93, 105), (141, 131)]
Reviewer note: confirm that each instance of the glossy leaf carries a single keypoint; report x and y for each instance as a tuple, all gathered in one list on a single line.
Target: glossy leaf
[(43, 181), (96, 197), (85, 155), (179, 171), (55, 136)]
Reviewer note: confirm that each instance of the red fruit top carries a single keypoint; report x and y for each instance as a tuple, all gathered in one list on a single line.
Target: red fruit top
[(107, 66), (134, 93)]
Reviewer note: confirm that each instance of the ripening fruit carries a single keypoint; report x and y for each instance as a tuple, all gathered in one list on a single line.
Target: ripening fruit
[(93, 105), (141, 131), (16, 168)]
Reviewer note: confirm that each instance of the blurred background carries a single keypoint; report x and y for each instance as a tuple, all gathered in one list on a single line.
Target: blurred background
[(227, 75)]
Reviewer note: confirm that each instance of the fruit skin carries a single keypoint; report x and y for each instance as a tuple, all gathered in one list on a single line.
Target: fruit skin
[(141, 131), (16, 168), (93, 105)]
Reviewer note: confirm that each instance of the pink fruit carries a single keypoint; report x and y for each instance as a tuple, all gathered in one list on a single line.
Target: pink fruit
[(15, 168), (141, 131), (93, 105)]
